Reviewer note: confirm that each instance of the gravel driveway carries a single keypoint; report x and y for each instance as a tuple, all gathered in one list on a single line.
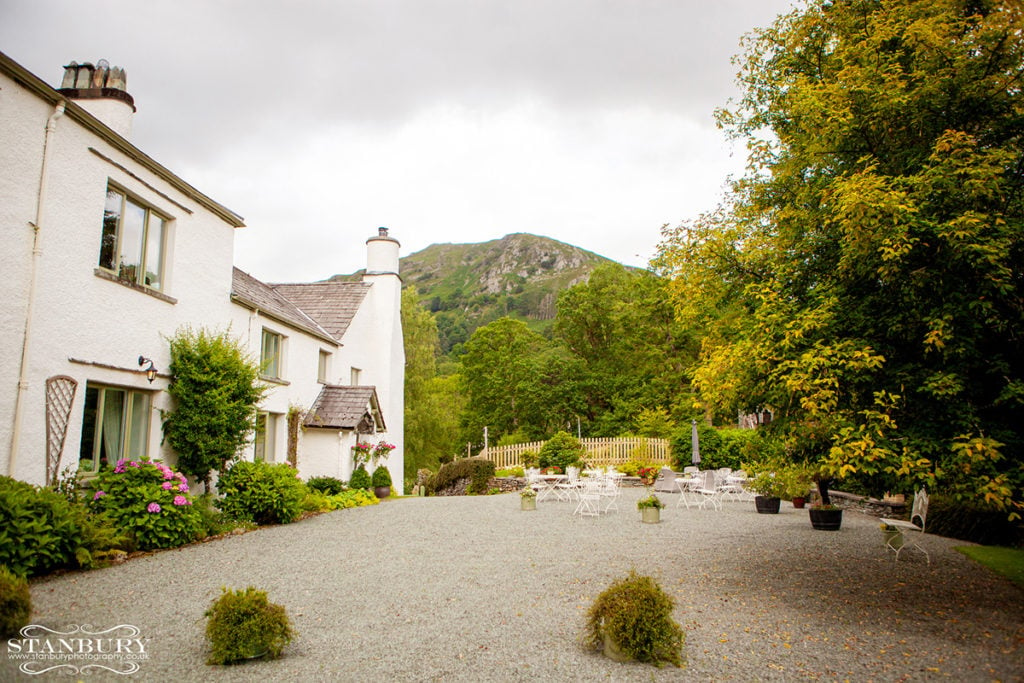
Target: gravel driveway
[(473, 589)]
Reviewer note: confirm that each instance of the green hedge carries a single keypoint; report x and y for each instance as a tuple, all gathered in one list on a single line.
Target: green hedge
[(719, 447), (971, 521), (477, 470)]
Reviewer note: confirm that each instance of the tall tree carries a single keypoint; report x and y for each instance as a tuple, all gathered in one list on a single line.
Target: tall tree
[(634, 354), (865, 277)]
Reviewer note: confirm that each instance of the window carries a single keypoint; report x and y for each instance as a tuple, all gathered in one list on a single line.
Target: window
[(270, 354), (323, 366), (266, 437), (132, 246), (355, 376), (115, 426)]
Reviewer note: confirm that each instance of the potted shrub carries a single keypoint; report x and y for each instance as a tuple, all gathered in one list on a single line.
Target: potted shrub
[(381, 481), (824, 515), (245, 625), (650, 508), (798, 484), (528, 499), (632, 620), (769, 489)]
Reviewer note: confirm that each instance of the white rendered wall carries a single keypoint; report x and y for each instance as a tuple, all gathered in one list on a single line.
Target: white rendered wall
[(85, 326)]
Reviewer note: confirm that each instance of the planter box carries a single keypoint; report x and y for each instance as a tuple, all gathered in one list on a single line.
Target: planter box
[(826, 520), (767, 505), (528, 503), (650, 515)]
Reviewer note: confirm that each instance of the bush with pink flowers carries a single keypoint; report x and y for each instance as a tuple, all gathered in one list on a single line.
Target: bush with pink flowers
[(148, 500)]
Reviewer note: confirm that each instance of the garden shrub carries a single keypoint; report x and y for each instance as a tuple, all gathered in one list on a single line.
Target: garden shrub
[(15, 602), (971, 520), (562, 450), (510, 472), (353, 499), (360, 479), (381, 477), (149, 501), (327, 485), (636, 615), (213, 520), (478, 470), (245, 625), (262, 492), (39, 529)]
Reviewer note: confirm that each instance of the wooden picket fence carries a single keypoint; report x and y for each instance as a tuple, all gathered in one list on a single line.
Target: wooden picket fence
[(600, 452)]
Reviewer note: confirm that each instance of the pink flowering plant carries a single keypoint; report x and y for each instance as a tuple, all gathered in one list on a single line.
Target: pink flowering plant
[(148, 500)]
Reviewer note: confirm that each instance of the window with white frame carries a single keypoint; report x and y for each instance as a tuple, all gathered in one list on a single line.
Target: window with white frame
[(132, 245), (323, 366), (264, 443), (271, 351), (354, 376), (115, 426)]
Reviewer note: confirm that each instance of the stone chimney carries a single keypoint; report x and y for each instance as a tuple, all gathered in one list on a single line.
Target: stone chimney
[(100, 90), (382, 254)]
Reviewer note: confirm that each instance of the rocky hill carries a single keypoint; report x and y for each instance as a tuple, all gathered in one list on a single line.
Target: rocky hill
[(469, 285)]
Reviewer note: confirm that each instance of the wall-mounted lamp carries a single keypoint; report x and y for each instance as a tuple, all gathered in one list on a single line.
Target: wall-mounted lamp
[(150, 371)]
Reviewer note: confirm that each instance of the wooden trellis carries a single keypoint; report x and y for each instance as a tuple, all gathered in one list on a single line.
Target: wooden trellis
[(60, 394)]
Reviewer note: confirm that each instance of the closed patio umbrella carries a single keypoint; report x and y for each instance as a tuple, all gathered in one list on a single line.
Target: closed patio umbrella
[(695, 443)]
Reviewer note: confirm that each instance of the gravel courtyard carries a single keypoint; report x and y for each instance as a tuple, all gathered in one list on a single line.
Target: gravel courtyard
[(473, 589)]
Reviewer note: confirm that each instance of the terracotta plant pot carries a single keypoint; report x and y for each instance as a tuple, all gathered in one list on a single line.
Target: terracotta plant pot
[(767, 505), (382, 491), (798, 503)]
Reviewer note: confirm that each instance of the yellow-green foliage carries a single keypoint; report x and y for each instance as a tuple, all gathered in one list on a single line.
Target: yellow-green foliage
[(245, 625), (318, 502)]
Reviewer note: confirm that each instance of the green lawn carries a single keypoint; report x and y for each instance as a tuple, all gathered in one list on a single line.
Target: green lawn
[(1007, 561)]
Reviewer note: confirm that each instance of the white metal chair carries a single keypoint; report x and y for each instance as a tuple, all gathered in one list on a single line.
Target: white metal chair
[(589, 504), (610, 492), (666, 481), (571, 485), (919, 510), (687, 486), (708, 490)]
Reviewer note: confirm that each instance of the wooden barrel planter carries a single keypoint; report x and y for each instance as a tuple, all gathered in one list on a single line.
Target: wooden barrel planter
[(767, 505), (826, 519)]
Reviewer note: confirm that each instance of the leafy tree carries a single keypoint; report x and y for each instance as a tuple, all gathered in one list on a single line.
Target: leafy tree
[(634, 354), (433, 404), (864, 278), (216, 390), (515, 380)]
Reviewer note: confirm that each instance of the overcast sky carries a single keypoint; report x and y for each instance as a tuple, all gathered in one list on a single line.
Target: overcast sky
[(587, 121)]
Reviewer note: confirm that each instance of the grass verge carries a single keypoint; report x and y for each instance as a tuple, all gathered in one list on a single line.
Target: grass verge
[(1006, 561)]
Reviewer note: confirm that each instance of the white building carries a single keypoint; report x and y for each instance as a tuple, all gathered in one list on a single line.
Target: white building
[(108, 254)]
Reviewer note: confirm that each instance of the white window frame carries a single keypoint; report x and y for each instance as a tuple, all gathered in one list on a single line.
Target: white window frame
[(272, 361), (132, 439), (323, 366), (150, 242), (354, 375), (264, 444)]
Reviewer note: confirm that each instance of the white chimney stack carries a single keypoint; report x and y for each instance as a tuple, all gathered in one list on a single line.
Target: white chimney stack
[(382, 254), (100, 90)]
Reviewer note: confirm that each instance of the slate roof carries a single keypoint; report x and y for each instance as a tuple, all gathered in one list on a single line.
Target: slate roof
[(251, 293), (344, 407), (331, 303)]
